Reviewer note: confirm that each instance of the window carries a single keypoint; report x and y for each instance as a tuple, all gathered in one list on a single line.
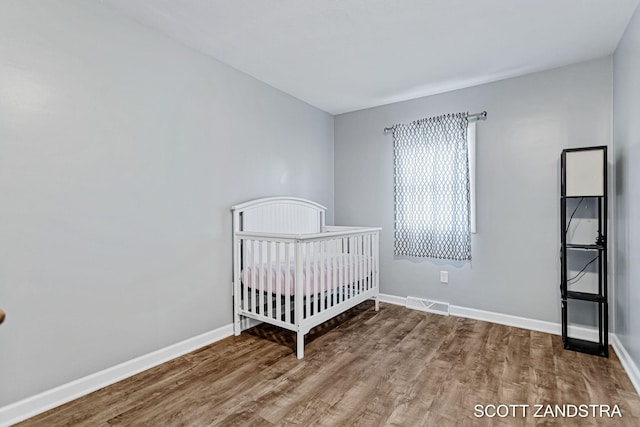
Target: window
[(432, 188)]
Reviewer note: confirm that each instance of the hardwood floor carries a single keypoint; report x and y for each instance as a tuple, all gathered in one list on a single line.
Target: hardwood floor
[(394, 367)]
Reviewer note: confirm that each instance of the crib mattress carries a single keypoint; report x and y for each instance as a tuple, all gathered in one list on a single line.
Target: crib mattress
[(328, 276)]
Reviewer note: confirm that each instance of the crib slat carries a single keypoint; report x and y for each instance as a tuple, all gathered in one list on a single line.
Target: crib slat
[(361, 263), (237, 295), (278, 286), (367, 262), (255, 277), (369, 281), (361, 272), (357, 269), (347, 269), (243, 282), (336, 300), (314, 251), (340, 283), (333, 261), (262, 274), (373, 262), (354, 268), (349, 260), (353, 259), (352, 265), (299, 280), (246, 245), (376, 280), (269, 272), (287, 282), (323, 275), (336, 283), (307, 258)]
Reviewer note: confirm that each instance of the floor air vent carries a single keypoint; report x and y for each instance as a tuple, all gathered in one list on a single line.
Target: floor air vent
[(428, 305)]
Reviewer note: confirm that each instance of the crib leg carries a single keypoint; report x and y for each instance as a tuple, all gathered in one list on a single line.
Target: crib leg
[(236, 328), (377, 303), (236, 323), (300, 344)]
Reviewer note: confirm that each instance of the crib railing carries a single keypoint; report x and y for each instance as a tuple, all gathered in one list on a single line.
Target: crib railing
[(288, 279)]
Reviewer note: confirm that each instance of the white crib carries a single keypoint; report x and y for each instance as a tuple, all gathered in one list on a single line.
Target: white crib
[(293, 271)]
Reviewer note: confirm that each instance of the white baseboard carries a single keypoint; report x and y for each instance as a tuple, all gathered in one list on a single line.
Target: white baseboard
[(579, 332), (34, 405), (509, 320), (392, 299), (627, 362)]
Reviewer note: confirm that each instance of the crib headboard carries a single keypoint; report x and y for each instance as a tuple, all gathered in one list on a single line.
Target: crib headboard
[(287, 215)]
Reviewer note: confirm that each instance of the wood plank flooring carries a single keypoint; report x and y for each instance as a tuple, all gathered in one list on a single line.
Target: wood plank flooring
[(394, 367)]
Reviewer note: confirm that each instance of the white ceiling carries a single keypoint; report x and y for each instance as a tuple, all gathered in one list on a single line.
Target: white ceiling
[(345, 55)]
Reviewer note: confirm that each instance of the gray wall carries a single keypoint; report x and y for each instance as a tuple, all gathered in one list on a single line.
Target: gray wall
[(121, 153), (626, 142), (515, 266)]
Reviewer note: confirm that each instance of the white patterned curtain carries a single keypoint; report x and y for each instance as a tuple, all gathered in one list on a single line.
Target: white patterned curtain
[(431, 188)]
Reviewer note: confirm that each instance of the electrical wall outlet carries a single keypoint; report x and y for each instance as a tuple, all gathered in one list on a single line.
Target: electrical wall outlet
[(444, 277)]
